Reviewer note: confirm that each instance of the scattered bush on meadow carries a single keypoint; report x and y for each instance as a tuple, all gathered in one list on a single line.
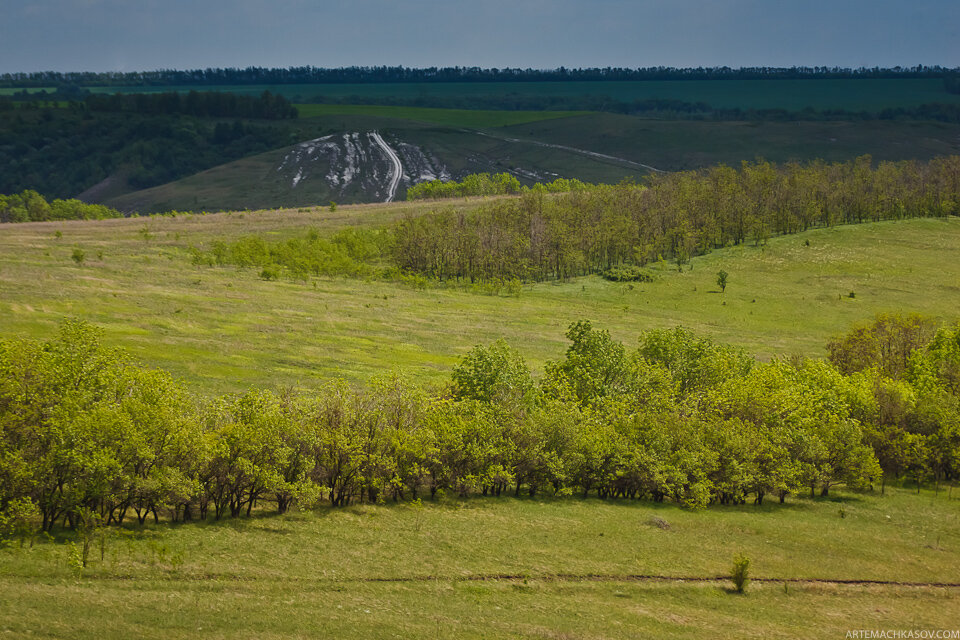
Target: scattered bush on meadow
[(628, 273), (740, 575)]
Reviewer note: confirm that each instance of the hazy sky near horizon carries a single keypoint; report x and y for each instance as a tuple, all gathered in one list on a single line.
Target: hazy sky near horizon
[(131, 35)]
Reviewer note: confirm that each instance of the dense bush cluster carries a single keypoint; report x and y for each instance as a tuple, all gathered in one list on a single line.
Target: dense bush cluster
[(484, 184), (628, 273), (30, 206), (476, 184), (349, 252), (85, 431), (678, 215)]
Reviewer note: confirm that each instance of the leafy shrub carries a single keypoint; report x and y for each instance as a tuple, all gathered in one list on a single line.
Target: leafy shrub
[(628, 273), (348, 252), (740, 575)]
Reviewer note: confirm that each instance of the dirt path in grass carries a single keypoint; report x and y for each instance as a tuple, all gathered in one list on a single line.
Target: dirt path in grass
[(602, 577), (397, 167), (550, 577), (583, 152)]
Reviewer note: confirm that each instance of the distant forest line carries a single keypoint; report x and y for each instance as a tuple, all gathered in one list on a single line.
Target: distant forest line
[(377, 74)]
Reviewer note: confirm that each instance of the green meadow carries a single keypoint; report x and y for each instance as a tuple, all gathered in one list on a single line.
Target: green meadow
[(504, 568), (225, 329)]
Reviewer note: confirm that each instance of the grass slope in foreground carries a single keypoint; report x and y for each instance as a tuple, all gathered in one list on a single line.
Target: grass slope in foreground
[(402, 571), (224, 329)]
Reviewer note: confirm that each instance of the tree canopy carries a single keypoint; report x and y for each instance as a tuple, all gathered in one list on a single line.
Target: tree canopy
[(84, 430)]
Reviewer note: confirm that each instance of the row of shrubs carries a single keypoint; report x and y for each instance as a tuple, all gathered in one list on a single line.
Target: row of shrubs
[(85, 433), (485, 184)]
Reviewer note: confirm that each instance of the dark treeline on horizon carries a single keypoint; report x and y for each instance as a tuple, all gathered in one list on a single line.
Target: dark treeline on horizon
[(378, 74)]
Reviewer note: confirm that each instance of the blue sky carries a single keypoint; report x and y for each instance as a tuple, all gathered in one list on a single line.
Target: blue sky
[(103, 35)]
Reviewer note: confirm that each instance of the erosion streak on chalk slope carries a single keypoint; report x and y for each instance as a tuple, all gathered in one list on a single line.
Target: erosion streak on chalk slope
[(397, 167)]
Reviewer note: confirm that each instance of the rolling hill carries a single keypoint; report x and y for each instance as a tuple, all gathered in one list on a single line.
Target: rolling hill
[(595, 147)]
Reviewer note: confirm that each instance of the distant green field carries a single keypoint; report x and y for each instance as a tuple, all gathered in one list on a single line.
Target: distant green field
[(447, 117), (852, 94), (224, 329), (679, 145)]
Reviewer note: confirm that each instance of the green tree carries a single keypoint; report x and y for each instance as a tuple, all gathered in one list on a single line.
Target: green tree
[(595, 365), (722, 280), (887, 343), (494, 374)]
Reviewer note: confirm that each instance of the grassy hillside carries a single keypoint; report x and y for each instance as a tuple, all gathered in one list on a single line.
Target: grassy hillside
[(543, 146), (249, 182), (227, 329), (432, 572), (154, 163), (255, 182)]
